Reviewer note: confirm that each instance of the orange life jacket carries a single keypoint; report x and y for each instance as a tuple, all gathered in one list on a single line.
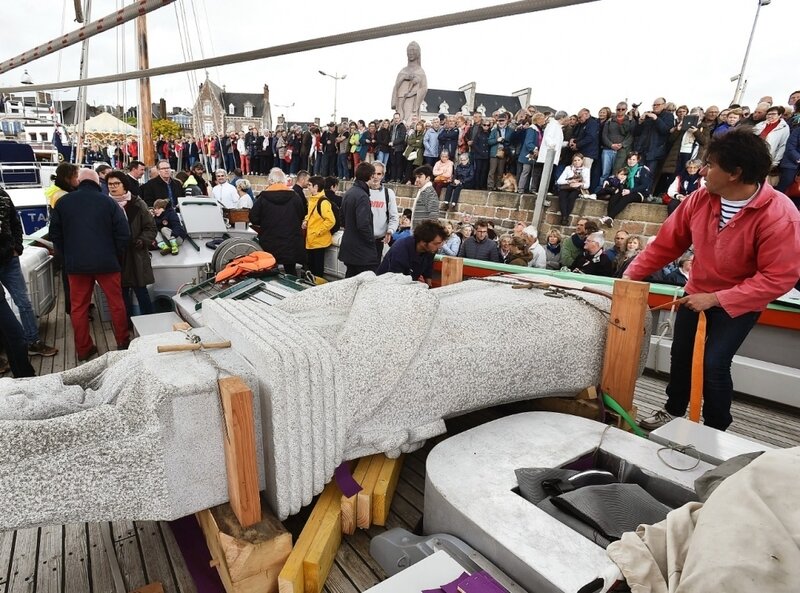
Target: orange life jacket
[(258, 261)]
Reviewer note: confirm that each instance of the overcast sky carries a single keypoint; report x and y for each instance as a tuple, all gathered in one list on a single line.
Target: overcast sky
[(587, 55)]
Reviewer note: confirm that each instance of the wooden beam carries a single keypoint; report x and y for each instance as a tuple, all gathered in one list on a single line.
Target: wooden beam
[(384, 489), (364, 504), (319, 559), (291, 578), (240, 450), (624, 341), (144, 118), (349, 505), (452, 270), (181, 326), (247, 559)]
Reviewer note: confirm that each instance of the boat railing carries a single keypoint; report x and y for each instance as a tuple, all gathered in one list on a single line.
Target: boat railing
[(16, 175)]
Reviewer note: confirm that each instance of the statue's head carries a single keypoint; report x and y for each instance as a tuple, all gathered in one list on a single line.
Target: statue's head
[(413, 51)]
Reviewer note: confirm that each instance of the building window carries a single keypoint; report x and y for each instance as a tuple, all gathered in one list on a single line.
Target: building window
[(208, 127), (33, 136), (248, 110), (206, 107), (44, 136), (230, 109)]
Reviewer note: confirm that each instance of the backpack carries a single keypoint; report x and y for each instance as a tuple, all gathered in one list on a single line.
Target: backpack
[(336, 213)]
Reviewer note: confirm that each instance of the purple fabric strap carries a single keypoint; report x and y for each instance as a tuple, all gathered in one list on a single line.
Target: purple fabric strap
[(190, 540), (344, 479)]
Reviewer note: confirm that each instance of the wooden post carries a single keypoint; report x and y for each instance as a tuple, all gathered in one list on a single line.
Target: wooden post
[(452, 270), (384, 489), (240, 450), (624, 341), (144, 121), (364, 498)]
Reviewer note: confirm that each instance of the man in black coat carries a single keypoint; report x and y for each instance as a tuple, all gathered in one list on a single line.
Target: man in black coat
[(91, 232), (357, 249), (162, 187), (328, 141), (278, 214), (135, 173), (593, 260), (398, 145)]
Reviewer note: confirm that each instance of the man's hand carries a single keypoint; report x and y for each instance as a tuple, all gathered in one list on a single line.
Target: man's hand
[(700, 301), (387, 237), (626, 191)]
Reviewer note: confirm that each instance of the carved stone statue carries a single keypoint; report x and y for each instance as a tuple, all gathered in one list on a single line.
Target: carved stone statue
[(411, 85)]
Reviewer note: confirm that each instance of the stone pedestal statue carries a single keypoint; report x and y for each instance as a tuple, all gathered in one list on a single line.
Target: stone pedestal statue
[(411, 85)]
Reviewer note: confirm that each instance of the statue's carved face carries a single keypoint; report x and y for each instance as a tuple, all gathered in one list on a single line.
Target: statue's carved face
[(413, 51)]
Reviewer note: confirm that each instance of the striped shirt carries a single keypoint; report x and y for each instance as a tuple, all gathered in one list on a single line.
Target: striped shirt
[(729, 208)]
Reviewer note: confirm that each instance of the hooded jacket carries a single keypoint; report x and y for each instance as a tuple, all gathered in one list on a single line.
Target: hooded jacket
[(279, 212), (358, 241), (319, 222)]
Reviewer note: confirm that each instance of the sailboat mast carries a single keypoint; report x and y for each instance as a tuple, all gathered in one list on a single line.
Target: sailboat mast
[(80, 104), (145, 121)]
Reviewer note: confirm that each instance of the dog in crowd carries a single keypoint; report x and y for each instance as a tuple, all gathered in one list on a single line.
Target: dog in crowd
[(509, 183)]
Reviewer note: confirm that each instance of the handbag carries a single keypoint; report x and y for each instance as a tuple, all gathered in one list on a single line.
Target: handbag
[(287, 155), (501, 152), (412, 156)]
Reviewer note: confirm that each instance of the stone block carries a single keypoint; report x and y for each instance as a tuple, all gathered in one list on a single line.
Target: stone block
[(633, 227), (527, 201), (474, 197), (501, 213), (651, 229), (484, 211), (521, 216), (503, 199)]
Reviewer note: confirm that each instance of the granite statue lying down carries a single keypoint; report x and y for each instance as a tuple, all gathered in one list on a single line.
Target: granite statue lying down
[(355, 367)]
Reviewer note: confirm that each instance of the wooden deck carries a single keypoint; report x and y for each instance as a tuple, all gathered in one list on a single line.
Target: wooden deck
[(72, 558)]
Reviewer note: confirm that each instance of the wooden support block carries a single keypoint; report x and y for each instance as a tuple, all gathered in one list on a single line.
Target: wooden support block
[(452, 270), (319, 559), (240, 450), (624, 341), (349, 505), (150, 588), (181, 326), (588, 393), (567, 405), (364, 498), (384, 489), (247, 559), (291, 578)]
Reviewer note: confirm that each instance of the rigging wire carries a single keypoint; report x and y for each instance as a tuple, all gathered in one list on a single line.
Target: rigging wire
[(190, 51), (60, 55), (381, 32), (184, 52), (210, 36)]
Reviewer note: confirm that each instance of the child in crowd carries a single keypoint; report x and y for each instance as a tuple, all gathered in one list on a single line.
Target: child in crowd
[(613, 185), (404, 228), (170, 228), (684, 184)]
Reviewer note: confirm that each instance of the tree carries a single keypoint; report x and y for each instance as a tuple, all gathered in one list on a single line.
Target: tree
[(131, 121), (166, 128)]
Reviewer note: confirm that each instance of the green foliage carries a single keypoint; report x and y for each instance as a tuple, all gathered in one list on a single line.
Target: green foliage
[(131, 121), (166, 128)]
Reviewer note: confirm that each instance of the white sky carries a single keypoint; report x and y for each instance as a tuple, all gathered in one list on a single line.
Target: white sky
[(592, 54)]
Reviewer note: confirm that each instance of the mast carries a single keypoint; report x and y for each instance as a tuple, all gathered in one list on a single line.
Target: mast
[(145, 120), (80, 104)]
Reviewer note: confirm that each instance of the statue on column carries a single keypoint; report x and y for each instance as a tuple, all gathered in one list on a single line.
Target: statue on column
[(411, 85)]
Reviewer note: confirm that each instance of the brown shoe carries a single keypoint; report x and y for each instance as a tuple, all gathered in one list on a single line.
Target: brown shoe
[(89, 353), (39, 348)]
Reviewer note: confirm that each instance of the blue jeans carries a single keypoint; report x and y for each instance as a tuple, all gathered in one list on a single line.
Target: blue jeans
[(606, 163), (12, 278), (343, 169), (142, 297), (383, 157), (13, 340), (724, 335)]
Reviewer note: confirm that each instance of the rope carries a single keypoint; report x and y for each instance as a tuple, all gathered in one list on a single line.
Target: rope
[(612, 403), (684, 449), (381, 32), (698, 355)]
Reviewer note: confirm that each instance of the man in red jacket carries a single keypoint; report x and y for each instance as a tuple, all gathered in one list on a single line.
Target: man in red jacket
[(746, 238)]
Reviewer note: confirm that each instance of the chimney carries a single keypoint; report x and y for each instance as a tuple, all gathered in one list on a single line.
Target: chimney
[(162, 108)]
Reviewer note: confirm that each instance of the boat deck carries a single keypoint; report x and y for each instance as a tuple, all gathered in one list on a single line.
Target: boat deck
[(72, 559)]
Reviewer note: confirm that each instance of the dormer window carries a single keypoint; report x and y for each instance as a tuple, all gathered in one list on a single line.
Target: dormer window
[(248, 110), (230, 109)]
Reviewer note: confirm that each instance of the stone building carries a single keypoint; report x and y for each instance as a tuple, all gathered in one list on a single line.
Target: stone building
[(219, 111)]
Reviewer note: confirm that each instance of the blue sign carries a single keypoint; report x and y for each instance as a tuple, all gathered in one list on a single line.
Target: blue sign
[(33, 218)]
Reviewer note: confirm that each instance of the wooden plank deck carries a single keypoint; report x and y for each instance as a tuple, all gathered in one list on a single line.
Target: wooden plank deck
[(72, 558)]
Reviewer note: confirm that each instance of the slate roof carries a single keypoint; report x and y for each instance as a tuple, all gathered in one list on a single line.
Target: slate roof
[(239, 100), (454, 99), (495, 102)]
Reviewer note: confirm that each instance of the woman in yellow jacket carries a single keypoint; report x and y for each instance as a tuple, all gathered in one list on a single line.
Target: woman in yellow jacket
[(318, 224)]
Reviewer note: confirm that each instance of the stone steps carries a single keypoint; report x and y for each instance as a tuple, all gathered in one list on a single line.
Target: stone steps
[(505, 209)]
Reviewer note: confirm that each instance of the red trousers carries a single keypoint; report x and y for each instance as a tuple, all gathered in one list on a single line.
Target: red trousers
[(80, 290), (245, 158)]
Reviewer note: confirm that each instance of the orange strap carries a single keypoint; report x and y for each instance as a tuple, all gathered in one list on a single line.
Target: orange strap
[(696, 392)]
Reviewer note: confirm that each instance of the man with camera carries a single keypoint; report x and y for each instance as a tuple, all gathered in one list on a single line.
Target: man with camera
[(652, 134)]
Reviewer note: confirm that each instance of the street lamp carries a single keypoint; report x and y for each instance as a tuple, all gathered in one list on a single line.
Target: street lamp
[(336, 78), (740, 79)]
